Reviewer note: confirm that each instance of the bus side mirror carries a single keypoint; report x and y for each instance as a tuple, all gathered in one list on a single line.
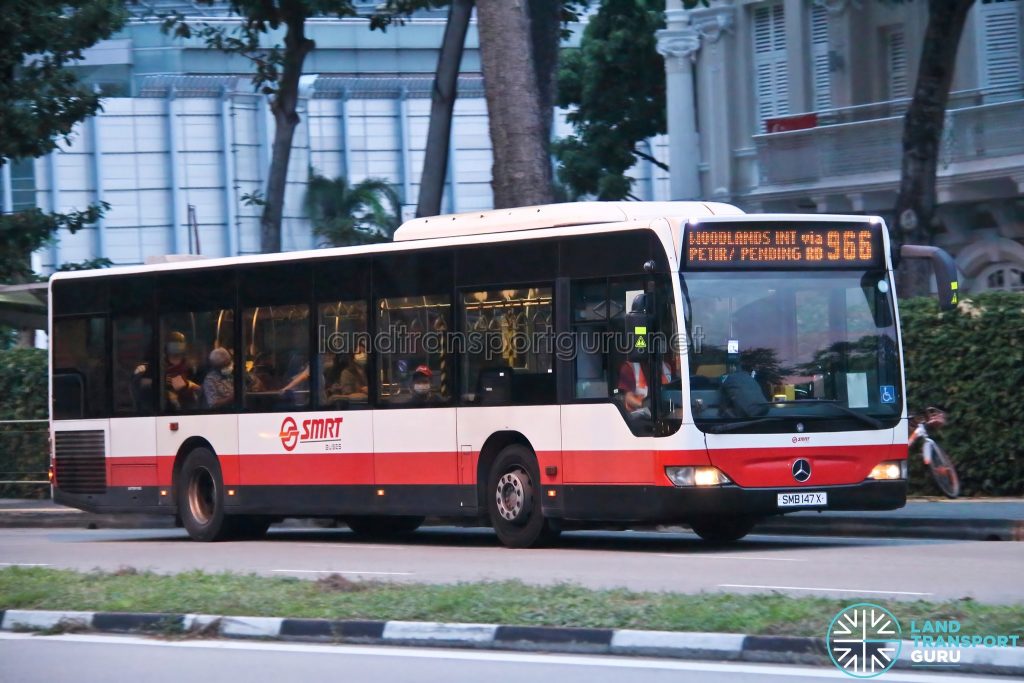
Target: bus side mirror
[(945, 272)]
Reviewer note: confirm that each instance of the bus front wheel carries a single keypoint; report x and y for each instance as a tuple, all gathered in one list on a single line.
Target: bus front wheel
[(722, 529), (514, 501), (200, 490)]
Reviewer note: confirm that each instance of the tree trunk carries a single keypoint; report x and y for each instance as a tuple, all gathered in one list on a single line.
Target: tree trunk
[(522, 170), (286, 119), (442, 104), (922, 134), (545, 33)]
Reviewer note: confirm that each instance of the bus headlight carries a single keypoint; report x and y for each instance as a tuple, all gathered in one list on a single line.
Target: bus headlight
[(890, 469), (696, 476)]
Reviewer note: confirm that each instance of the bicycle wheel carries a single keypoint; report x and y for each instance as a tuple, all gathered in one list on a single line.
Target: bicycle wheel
[(943, 471)]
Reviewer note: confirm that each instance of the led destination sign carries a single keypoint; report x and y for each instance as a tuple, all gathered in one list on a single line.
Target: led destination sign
[(776, 245)]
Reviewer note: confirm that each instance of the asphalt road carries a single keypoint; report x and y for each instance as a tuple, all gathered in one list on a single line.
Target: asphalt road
[(890, 569), (112, 659)]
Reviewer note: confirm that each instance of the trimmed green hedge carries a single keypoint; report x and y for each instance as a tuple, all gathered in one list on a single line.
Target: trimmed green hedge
[(23, 453), (970, 361)]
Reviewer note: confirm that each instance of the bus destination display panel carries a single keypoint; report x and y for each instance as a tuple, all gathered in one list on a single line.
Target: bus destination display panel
[(777, 245)]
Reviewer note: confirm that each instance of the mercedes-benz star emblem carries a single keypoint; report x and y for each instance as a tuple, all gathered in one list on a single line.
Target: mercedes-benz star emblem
[(801, 470)]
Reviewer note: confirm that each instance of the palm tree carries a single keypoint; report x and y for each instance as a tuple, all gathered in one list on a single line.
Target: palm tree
[(345, 215)]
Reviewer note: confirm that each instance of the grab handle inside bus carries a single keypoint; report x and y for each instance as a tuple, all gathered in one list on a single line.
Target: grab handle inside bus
[(946, 283)]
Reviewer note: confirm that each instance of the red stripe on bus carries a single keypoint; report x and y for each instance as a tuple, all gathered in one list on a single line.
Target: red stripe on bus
[(752, 467)]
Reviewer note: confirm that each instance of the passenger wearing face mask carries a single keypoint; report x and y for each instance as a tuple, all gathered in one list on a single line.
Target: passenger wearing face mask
[(181, 391), (422, 392), (352, 383), (219, 383)]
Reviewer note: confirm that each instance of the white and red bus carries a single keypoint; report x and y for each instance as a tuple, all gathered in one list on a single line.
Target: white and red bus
[(533, 369)]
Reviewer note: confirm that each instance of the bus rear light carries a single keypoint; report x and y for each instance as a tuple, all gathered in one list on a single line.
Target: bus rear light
[(50, 475), (891, 469), (696, 476)]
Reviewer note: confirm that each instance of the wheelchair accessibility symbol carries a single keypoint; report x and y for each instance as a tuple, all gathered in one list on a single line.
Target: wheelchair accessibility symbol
[(888, 392)]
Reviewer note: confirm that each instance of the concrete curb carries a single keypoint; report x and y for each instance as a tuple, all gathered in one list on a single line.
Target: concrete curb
[(970, 529), (670, 644)]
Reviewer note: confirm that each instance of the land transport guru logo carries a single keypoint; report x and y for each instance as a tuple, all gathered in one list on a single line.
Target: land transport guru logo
[(865, 640), (325, 430)]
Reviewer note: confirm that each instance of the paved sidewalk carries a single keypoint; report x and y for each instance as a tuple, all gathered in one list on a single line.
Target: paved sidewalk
[(964, 519)]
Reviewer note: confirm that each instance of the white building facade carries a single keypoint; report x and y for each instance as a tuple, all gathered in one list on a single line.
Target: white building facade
[(797, 105), (183, 140)]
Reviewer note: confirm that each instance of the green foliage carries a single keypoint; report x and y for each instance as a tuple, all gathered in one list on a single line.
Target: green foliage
[(23, 232), (614, 85), (40, 98), (970, 362), (23, 395), (345, 214)]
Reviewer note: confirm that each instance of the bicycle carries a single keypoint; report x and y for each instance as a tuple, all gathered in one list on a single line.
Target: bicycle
[(935, 458)]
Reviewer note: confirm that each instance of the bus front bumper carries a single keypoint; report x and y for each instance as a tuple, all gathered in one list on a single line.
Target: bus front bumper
[(672, 504)]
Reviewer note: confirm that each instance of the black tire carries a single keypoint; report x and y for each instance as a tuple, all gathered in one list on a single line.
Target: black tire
[(722, 529), (378, 527), (514, 500), (943, 471), (200, 494)]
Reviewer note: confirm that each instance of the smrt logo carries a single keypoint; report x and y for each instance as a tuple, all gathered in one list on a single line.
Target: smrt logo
[(313, 430)]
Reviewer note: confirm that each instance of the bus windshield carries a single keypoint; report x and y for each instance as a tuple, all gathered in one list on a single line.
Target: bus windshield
[(792, 351)]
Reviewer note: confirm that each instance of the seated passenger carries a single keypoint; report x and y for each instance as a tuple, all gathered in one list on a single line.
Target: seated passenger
[(347, 380), (219, 383), (422, 392), (181, 391)]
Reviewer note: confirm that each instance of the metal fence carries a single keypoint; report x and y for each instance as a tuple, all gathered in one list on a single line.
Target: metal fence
[(24, 459)]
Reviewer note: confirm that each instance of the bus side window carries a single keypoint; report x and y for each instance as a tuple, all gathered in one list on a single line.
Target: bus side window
[(598, 315), (275, 341), (414, 350), (80, 367), (344, 351), (508, 355), (186, 342), (133, 366)]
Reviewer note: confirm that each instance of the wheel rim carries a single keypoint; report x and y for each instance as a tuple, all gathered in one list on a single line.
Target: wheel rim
[(202, 496), (513, 496)]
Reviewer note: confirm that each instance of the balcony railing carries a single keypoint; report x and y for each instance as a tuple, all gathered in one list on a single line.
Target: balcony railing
[(867, 139)]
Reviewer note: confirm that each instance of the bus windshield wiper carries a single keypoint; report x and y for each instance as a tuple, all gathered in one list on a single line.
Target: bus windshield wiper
[(733, 426), (866, 419)]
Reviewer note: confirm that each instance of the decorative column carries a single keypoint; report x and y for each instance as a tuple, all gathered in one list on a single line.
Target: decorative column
[(679, 44), (716, 85), (179, 236), (227, 143), (97, 172)]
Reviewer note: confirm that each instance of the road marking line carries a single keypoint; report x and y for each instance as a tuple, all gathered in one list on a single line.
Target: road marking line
[(804, 588), (733, 557), (24, 564), (337, 571)]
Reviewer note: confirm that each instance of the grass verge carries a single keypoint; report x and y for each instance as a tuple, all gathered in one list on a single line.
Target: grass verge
[(508, 602)]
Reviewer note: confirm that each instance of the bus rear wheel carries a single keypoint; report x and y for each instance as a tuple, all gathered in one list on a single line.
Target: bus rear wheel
[(514, 501), (200, 492), (374, 527), (723, 529)]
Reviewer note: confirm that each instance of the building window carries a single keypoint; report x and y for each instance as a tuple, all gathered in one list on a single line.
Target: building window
[(894, 41), (771, 77), (821, 73), (1000, 43)]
